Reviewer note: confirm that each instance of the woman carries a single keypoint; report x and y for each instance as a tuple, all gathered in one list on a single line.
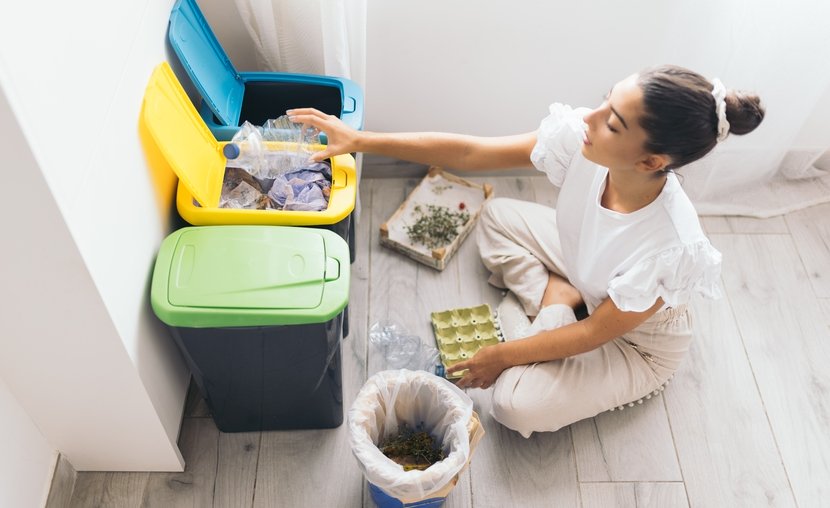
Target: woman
[(624, 239)]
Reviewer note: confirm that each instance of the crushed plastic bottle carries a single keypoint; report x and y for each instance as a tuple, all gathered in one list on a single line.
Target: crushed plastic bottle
[(244, 156), (401, 350), (248, 150)]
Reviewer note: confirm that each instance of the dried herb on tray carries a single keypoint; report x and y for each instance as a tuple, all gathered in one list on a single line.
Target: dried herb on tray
[(412, 448), (437, 226), (439, 189)]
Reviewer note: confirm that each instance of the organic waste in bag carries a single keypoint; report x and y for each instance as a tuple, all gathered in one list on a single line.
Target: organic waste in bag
[(397, 399)]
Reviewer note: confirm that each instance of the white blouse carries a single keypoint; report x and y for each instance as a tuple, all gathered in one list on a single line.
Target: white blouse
[(633, 258)]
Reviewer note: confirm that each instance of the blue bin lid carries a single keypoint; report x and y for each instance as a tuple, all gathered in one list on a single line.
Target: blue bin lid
[(206, 62)]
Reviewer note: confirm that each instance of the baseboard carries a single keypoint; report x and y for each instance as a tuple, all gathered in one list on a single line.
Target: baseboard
[(378, 166), (63, 484)]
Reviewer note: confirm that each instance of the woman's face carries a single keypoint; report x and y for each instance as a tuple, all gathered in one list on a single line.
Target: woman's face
[(614, 138)]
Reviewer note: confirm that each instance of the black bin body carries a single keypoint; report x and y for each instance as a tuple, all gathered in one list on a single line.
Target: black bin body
[(268, 377)]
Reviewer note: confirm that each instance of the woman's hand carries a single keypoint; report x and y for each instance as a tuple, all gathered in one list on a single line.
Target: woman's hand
[(341, 138), (483, 368)]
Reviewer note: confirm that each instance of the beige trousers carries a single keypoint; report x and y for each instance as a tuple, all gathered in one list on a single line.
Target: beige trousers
[(519, 244)]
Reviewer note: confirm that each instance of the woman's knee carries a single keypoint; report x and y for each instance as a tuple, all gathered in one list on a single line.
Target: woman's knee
[(509, 410), (492, 211), (493, 235), (489, 238), (520, 408)]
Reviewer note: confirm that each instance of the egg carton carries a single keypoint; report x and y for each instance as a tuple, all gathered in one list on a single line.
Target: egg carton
[(460, 333)]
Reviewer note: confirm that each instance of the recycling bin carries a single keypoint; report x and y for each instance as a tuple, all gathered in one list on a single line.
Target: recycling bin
[(257, 313), (169, 119), (229, 98)]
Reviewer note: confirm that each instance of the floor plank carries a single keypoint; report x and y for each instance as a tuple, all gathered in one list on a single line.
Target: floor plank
[(237, 469), (744, 225), (811, 233), (634, 444), (712, 395), (824, 303), (393, 276), (298, 466), (660, 495), (63, 483), (602, 495), (89, 490), (633, 495), (509, 470), (124, 489), (199, 444), (788, 345)]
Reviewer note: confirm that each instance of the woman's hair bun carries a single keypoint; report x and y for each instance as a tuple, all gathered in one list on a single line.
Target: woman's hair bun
[(744, 111)]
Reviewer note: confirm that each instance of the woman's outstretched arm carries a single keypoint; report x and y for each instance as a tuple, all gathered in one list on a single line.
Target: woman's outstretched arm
[(456, 151)]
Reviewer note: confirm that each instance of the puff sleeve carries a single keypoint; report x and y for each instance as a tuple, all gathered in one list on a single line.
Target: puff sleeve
[(559, 138), (674, 275)]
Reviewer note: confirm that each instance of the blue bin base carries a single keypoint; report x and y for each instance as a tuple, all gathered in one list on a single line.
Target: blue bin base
[(384, 500)]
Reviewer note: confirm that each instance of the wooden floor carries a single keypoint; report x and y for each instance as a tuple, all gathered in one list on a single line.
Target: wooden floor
[(745, 422)]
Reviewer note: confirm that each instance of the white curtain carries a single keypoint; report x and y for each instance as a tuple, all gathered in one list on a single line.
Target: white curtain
[(308, 36), (781, 50)]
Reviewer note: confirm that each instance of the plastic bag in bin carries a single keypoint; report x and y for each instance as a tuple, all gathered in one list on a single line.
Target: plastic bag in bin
[(417, 398)]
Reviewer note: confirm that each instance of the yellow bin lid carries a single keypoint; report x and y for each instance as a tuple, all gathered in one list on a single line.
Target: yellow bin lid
[(182, 137), (196, 157)]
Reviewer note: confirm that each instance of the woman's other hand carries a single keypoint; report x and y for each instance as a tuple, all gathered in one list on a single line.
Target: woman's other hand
[(482, 369), (341, 138)]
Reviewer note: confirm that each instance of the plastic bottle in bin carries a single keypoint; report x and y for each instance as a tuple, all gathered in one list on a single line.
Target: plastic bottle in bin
[(247, 150), (244, 156)]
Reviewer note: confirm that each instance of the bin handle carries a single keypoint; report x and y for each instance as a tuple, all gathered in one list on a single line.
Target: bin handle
[(340, 179), (349, 105)]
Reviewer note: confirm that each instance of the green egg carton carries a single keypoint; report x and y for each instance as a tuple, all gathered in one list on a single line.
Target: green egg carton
[(460, 333)]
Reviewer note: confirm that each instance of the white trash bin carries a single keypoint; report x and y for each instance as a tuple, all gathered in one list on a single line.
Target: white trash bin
[(394, 397)]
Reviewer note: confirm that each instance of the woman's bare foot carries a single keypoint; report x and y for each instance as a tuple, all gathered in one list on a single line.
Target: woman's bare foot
[(559, 290)]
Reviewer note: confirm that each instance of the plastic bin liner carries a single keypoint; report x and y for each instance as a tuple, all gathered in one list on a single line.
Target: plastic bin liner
[(392, 397)]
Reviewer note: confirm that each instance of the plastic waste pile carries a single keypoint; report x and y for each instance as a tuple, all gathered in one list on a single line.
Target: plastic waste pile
[(261, 177)]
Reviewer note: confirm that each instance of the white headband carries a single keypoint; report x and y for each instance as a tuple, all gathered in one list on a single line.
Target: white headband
[(719, 92)]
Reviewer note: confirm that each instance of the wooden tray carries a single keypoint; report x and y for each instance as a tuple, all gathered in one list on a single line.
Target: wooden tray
[(441, 189)]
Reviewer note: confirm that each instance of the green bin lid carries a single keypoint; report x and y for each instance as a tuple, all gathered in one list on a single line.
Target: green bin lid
[(231, 276)]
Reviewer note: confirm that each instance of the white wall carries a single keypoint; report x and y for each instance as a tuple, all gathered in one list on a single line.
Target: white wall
[(83, 217), (492, 67), (26, 459)]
